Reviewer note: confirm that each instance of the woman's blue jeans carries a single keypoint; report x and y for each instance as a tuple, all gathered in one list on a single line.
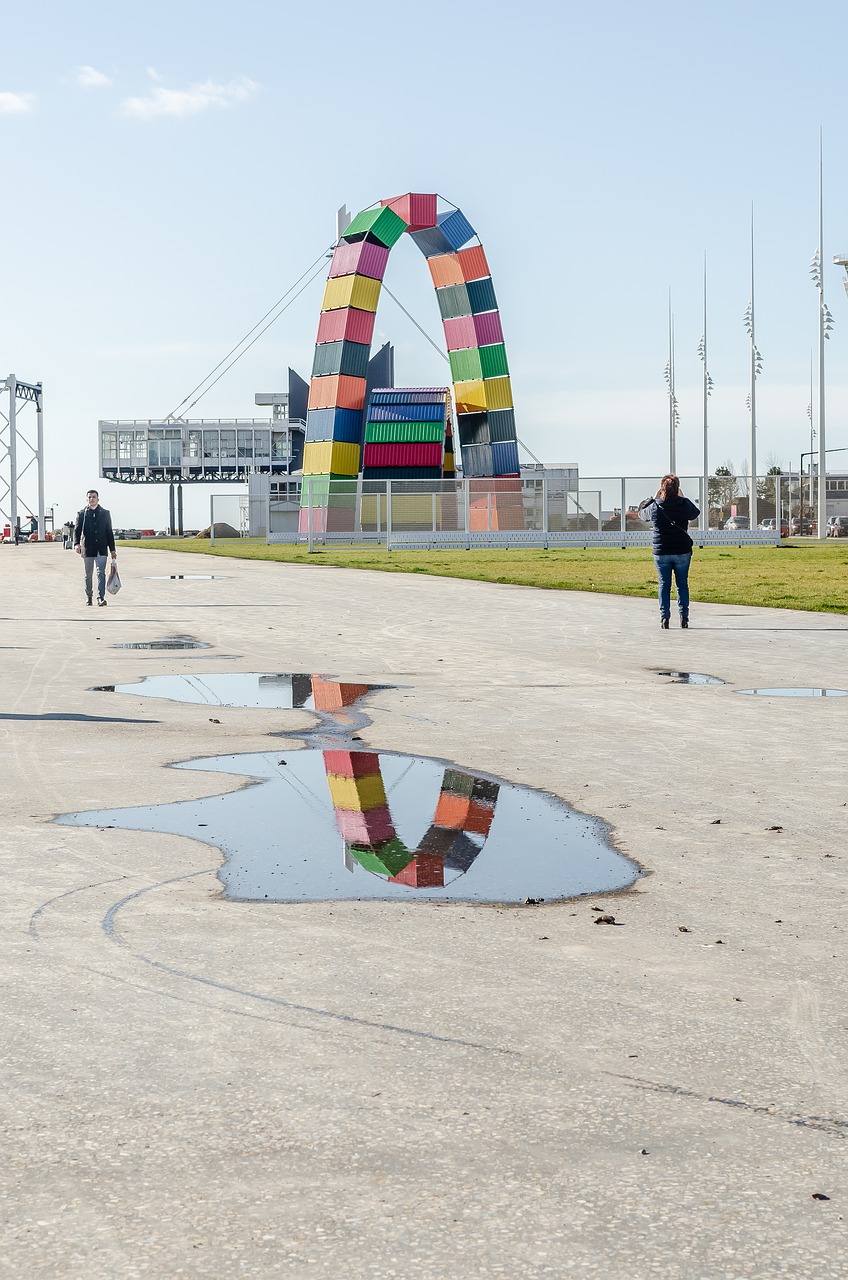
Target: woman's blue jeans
[(679, 566)]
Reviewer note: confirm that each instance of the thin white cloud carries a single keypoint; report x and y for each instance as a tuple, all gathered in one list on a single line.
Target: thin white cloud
[(16, 104), (154, 74), (91, 78), (188, 102)]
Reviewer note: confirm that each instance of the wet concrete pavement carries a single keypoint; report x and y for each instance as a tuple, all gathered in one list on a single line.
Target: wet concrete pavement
[(201, 1087)]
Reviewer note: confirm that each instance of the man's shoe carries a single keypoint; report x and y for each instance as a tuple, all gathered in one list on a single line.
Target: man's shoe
[(88, 600), (684, 622), (664, 623), (102, 602)]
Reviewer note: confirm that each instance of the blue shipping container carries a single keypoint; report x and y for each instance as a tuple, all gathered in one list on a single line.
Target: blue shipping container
[(505, 459), (481, 295), (501, 425), (452, 231), (476, 460), (344, 425)]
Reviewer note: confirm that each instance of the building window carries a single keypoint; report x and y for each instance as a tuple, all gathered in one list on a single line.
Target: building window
[(109, 446), (279, 446), (194, 443), (210, 446), (262, 444), (125, 446), (245, 444), (228, 446)]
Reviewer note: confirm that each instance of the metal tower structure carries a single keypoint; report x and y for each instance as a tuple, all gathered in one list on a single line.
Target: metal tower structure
[(17, 452)]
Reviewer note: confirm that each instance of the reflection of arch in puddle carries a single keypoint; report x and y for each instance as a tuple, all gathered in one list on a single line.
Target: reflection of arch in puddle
[(456, 835)]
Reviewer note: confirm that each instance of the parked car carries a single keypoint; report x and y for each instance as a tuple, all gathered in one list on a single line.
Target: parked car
[(737, 522), (839, 527), (770, 523), (805, 526)]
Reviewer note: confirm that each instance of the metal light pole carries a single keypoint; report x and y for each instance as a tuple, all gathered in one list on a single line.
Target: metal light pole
[(825, 327), (755, 371), (673, 414), (708, 390)]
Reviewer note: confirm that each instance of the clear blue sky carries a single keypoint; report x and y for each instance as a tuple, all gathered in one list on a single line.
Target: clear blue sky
[(172, 168)]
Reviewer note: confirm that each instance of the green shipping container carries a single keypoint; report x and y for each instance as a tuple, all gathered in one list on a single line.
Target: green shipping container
[(387, 859), (493, 361), (404, 432), (466, 364), (334, 487), (383, 224)]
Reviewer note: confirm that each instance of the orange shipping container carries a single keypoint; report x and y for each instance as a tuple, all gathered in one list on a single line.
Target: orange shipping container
[(339, 391), (445, 270), (452, 811)]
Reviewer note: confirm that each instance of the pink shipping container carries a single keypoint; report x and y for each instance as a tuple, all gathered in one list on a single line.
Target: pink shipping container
[(352, 764), (460, 333), (326, 520), (402, 455), (361, 258), (365, 828), (488, 329), (346, 323), (419, 211)]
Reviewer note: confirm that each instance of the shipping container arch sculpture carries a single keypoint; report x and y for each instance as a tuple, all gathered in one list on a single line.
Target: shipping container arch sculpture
[(485, 419)]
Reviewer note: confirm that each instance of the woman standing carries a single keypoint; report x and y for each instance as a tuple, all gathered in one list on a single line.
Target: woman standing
[(669, 512)]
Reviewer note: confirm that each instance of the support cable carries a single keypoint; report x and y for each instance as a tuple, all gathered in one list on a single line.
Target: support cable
[(417, 325), (241, 341)]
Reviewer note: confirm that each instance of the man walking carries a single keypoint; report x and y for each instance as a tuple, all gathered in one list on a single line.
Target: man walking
[(93, 538)]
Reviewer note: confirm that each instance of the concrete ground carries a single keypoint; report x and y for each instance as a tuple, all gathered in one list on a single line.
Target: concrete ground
[(195, 1087)]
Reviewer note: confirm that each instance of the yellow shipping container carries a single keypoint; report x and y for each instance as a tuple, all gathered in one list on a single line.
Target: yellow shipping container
[(330, 458), (351, 291), (470, 396), (498, 393), (357, 794)]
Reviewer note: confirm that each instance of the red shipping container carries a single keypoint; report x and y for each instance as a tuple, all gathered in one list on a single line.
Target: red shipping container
[(361, 258), (402, 455), (346, 323), (461, 333), (338, 391), (424, 872), (352, 764), (479, 818), (417, 210), (472, 263)]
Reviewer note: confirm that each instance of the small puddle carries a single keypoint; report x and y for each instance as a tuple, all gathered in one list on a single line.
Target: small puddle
[(690, 677), (171, 642), (184, 577), (799, 692), (283, 690), (324, 825), (332, 822)]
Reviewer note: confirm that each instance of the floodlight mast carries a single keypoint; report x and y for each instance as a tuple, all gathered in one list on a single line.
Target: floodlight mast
[(28, 392)]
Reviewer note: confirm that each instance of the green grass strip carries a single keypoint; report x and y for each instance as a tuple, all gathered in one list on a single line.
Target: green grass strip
[(796, 575)]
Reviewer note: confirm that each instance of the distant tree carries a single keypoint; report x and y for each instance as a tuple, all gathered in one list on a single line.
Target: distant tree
[(723, 486), (766, 485)]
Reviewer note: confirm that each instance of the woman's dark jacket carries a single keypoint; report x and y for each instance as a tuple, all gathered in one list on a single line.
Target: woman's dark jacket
[(93, 532), (670, 520)]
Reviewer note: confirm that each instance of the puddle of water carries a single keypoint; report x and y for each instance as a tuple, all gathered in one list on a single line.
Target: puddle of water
[(284, 690), (171, 642), (338, 824), (797, 693), (184, 577), (690, 677)]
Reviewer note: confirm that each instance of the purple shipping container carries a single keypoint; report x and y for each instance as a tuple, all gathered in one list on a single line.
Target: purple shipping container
[(361, 258), (365, 828), (487, 328), (462, 332)]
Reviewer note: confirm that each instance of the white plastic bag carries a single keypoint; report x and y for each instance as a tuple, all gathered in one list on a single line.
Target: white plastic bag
[(113, 582)]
